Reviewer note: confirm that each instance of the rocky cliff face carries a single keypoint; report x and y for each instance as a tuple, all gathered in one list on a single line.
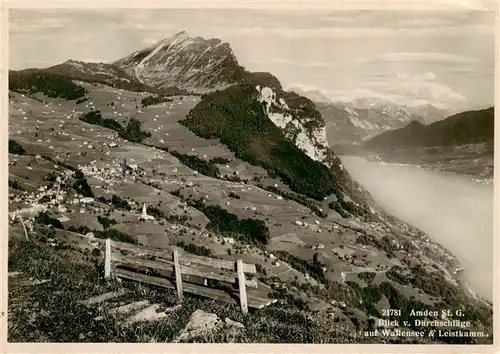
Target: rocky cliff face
[(307, 133), (191, 63), (302, 124)]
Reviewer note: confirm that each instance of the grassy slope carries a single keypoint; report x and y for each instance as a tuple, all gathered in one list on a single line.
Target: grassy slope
[(50, 312), (131, 132)]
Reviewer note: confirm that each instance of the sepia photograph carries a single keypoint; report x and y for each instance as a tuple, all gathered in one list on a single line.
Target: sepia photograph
[(215, 174)]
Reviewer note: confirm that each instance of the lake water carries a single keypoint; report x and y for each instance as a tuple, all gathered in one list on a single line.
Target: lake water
[(452, 209)]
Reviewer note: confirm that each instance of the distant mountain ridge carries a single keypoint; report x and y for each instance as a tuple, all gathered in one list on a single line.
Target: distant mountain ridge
[(353, 125), (426, 113), (463, 128), (102, 73), (430, 113)]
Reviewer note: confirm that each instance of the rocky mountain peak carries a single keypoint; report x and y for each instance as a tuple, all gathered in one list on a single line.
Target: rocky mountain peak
[(191, 63)]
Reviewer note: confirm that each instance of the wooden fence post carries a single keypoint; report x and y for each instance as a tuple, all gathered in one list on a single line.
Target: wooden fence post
[(242, 286), (107, 260), (178, 275)]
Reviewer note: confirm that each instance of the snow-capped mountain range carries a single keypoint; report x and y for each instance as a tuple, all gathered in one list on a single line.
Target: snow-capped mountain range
[(347, 124), (429, 112), (363, 118), (103, 73)]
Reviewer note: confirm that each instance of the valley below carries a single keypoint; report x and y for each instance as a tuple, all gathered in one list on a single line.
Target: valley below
[(452, 209), (473, 160)]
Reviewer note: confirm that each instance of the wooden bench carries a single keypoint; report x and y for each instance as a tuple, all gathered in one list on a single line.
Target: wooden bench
[(175, 269)]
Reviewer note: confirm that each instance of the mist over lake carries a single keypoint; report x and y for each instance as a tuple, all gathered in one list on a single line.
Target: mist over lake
[(452, 209)]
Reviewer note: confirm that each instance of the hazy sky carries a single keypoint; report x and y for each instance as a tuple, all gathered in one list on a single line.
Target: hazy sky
[(442, 57)]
